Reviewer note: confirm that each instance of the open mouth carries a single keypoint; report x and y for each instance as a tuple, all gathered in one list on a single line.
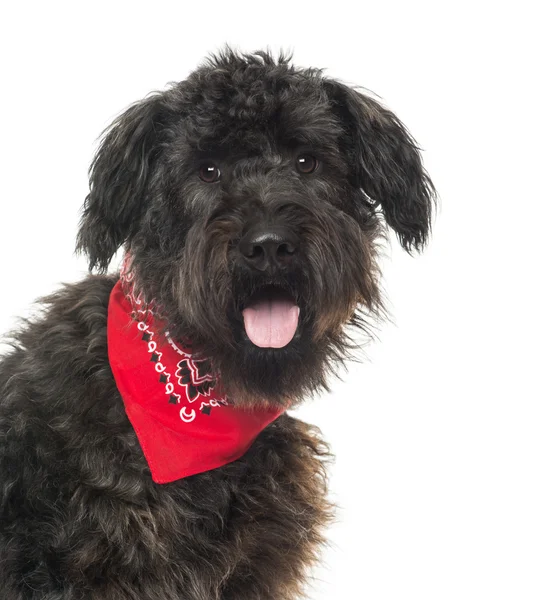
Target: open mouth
[(271, 317)]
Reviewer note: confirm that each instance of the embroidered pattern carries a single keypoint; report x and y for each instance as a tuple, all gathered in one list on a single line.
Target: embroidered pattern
[(188, 379)]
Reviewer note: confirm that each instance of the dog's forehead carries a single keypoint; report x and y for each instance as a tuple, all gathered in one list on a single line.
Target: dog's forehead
[(224, 110)]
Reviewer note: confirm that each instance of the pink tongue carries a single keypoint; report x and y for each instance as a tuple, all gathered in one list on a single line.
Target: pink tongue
[(271, 323)]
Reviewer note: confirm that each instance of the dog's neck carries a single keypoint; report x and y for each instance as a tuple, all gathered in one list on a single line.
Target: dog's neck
[(183, 420)]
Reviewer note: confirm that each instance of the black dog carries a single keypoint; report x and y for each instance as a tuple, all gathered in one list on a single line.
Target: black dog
[(250, 199)]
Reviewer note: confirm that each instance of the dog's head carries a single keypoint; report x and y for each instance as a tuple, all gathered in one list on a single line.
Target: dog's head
[(251, 197)]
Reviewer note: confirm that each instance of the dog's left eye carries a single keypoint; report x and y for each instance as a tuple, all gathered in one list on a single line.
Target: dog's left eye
[(306, 163), (209, 173)]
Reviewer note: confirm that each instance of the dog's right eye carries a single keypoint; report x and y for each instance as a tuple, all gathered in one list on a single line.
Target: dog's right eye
[(209, 173)]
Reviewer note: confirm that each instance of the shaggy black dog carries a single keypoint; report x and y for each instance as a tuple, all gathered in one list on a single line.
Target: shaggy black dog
[(252, 183)]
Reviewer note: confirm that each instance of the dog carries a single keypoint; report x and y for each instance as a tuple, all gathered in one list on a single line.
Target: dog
[(146, 452)]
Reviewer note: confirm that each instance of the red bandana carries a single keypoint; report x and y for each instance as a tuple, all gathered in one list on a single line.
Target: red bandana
[(184, 423)]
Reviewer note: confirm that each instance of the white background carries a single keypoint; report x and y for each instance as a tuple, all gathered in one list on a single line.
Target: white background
[(435, 436)]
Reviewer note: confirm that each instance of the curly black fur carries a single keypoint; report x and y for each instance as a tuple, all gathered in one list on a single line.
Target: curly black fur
[(80, 517)]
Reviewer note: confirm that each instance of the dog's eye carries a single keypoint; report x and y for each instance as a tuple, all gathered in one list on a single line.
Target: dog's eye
[(306, 163), (209, 173)]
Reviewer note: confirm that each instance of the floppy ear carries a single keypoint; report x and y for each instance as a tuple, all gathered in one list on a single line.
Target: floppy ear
[(388, 165), (118, 178)]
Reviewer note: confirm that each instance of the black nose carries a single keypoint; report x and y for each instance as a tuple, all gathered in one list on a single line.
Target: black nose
[(272, 247)]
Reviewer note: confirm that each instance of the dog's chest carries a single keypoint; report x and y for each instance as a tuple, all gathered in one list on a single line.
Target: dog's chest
[(254, 522)]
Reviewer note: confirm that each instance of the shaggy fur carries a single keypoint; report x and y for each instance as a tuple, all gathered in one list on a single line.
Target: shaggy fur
[(80, 517)]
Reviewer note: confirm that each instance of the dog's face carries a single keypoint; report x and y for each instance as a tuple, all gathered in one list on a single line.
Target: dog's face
[(247, 196)]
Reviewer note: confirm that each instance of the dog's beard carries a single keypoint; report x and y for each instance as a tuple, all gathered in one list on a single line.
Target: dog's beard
[(253, 374), (250, 373), (205, 292)]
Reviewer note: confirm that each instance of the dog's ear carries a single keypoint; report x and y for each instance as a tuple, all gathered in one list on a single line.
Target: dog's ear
[(118, 178), (387, 164)]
